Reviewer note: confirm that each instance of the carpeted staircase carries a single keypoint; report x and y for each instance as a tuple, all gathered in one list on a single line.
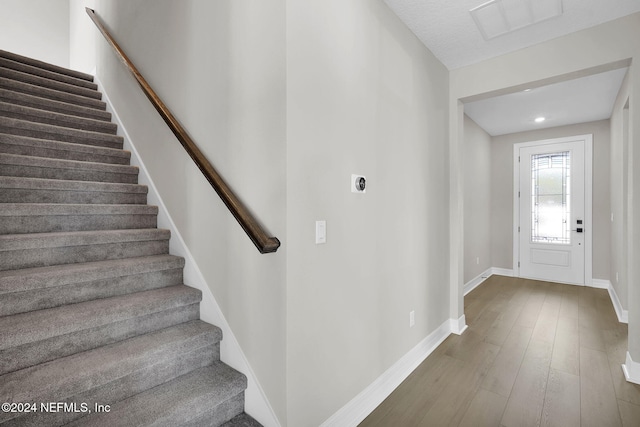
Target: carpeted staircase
[(93, 309)]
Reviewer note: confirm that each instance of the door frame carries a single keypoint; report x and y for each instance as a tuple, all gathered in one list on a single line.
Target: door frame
[(588, 200)]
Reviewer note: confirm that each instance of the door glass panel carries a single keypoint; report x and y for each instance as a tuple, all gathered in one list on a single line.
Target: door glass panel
[(551, 204)]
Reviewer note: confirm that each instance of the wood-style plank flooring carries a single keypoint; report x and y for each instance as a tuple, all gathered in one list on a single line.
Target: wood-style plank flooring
[(535, 354)]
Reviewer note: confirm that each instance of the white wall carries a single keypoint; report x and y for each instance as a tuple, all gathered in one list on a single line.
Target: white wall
[(502, 185), (36, 28), (363, 96), (580, 53), (220, 66), (478, 206)]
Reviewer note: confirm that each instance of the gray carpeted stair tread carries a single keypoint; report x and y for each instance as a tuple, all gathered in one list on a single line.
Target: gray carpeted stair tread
[(19, 218), (37, 115), (49, 84), (37, 190), (78, 238), (14, 126), (48, 93), (74, 375), (46, 249), (62, 332), (32, 101), (242, 420), (178, 402), (7, 182), (61, 275), (24, 328), (42, 167), (32, 289), (56, 209), (42, 72), (45, 65), (23, 145)]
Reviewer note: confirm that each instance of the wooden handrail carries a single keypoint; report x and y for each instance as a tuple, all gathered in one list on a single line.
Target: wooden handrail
[(254, 230)]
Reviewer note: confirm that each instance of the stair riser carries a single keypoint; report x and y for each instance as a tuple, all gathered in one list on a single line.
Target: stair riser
[(27, 258), (27, 195), (37, 71), (98, 140), (55, 95), (39, 299), (67, 174), (27, 150), (217, 415), (43, 351), (63, 121), (45, 104), (161, 368), (49, 84)]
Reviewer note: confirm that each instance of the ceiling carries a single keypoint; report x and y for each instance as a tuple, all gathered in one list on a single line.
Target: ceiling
[(581, 100), (449, 31), (447, 28)]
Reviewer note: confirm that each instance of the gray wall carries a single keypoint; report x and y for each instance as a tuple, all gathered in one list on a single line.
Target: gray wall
[(502, 187), (36, 28), (82, 48), (220, 66), (477, 200), (287, 109), (363, 96), (619, 191)]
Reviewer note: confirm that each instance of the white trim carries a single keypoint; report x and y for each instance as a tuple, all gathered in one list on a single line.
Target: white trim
[(356, 410), (475, 282), (631, 370), (256, 403), (588, 199), (502, 271), (623, 315), (478, 280), (600, 284), (459, 325)]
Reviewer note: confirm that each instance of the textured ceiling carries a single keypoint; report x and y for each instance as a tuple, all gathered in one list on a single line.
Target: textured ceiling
[(575, 101), (448, 30)]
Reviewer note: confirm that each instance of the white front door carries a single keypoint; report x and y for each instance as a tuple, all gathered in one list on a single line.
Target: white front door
[(553, 219)]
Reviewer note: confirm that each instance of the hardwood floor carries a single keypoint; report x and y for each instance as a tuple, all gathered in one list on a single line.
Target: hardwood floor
[(535, 354)]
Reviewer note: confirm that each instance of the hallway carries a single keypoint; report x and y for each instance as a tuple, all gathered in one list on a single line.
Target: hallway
[(535, 353)]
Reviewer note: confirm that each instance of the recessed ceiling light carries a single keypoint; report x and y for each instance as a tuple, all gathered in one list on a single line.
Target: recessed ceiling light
[(540, 119), (527, 90)]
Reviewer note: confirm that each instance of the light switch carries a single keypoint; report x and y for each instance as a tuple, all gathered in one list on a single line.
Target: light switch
[(321, 232)]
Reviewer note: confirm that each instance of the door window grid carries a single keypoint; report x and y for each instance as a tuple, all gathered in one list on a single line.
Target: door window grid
[(551, 201)]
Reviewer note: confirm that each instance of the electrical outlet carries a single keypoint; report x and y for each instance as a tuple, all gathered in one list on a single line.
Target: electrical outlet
[(617, 277), (478, 260), (412, 318)]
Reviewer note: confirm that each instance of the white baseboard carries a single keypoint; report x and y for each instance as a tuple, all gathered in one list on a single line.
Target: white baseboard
[(631, 370), (623, 315), (476, 281), (600, 284), (256, 403), (354, 412), (458, 326), (502, 271)]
